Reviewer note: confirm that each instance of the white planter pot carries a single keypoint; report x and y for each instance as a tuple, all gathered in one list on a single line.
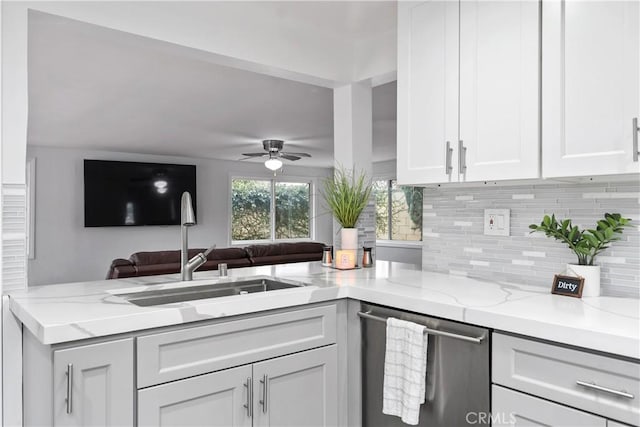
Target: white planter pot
[(591, 274), (349, 238)]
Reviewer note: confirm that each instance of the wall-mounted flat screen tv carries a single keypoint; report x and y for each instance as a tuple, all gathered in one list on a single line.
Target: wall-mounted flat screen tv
[(133, 193)]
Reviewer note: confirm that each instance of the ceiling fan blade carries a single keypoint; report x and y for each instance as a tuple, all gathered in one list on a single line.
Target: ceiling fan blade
[(255, 154), (296, 154), (289, 156)]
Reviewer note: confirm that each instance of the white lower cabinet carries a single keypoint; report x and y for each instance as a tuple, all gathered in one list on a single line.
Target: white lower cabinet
[(216, 399), (297, 390), (512, 408), (294, 390), (276, 369), (540, 383), (94, 385)]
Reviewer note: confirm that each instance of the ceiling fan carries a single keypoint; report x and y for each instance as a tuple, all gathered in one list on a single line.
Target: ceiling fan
[(272, 148)]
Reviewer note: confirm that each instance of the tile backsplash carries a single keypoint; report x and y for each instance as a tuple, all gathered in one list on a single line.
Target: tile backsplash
[(454, 243)]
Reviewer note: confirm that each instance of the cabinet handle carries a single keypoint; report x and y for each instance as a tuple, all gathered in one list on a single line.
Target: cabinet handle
[(264, 381), (636, 129), (69, 398), (448, 153), (249, 404), (462, 157), (605, 389)]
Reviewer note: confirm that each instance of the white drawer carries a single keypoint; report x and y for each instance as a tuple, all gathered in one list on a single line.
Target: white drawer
[(554, 372), (183, 353), (511, 408)]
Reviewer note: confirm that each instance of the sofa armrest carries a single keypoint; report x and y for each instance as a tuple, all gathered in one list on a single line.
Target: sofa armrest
[(121, 267)]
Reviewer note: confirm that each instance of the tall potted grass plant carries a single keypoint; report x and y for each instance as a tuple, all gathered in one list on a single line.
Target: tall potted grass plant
[(346, 194)]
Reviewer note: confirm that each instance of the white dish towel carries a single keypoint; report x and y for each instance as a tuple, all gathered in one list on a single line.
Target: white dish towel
[(405, 370)]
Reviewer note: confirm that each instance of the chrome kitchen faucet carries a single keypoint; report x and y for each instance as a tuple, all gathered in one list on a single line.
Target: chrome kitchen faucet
[(187, 219)]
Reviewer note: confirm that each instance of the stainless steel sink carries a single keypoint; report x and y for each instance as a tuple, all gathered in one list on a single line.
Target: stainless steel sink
[(216, 290)]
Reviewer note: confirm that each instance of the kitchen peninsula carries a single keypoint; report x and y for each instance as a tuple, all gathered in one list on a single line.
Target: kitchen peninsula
[(168, 355)]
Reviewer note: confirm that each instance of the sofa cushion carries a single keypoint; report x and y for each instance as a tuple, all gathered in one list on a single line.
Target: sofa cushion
[(227, 254), (282, 253), (151, 270), (155, 257), (231, 263), (285, 259), (166, 257), (280, 249)]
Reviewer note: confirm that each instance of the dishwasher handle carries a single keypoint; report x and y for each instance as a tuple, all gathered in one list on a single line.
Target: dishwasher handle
[(475, 340)]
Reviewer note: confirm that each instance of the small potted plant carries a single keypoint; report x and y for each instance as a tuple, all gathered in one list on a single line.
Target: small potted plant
[(586, 244), (346, 194)]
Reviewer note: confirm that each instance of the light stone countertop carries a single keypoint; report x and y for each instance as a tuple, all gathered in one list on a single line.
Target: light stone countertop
[(75, 311)]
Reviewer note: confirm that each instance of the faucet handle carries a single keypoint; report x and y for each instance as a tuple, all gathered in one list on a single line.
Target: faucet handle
[(208, 251)]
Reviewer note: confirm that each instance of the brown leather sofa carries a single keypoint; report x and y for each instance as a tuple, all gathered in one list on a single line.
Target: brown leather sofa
[(167, 262)]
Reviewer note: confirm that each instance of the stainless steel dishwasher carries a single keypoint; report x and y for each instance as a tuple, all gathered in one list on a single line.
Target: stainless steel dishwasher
[(458, 376)]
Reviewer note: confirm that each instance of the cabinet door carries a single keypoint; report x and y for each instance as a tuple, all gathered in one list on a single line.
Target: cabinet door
[(93, 385), (427, 90), (499, 89), (216, 399), (590, 86), (511, 408), (297, 390)]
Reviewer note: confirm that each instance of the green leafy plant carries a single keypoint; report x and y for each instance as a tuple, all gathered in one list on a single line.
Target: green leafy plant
[(346, 194), (586, 244)]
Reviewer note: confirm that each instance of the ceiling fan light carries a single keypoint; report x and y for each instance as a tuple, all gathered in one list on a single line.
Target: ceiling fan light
[(273, 164)]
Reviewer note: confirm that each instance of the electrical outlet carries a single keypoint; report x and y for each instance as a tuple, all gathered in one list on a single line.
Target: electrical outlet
[(497, 222)]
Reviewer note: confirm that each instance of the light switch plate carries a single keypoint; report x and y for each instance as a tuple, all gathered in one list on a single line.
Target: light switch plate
[(497, 222)]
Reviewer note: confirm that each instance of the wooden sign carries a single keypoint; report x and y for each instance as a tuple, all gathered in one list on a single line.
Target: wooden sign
[(570, 286)]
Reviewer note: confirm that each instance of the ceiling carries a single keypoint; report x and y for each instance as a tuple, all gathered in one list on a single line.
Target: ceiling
[(100, 89)]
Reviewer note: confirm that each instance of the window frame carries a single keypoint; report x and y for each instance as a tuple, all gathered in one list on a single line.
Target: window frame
[(272, 208), (388, 242)]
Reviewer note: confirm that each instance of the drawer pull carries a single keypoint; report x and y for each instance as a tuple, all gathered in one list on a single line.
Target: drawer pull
[(264, 381), (249, 405), (635, 131), (605, 389), (462, 158), (448, 152), (69, 397)]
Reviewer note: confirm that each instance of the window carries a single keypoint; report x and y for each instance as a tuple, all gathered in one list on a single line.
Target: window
[(269, 210), (398, 211)]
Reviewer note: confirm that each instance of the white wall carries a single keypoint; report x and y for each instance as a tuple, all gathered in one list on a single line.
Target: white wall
[(65, 251)]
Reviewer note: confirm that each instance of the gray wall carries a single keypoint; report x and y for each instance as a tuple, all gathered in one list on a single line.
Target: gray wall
[(66, 251), (453, 240), (408, 254)]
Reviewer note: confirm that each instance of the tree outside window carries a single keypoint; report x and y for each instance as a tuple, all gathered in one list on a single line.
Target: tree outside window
[(398, 211), (270, 210)]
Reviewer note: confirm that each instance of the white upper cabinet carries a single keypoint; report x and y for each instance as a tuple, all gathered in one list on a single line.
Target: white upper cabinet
[(468, 91), (590, 87), (499, 90), (427, 90)]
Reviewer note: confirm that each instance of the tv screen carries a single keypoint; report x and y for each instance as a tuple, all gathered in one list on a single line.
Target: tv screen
[(132, 193)]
